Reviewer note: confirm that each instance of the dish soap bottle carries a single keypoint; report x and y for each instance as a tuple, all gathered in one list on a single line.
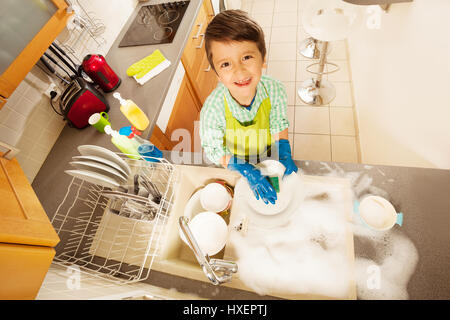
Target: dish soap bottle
[(123, 143), (133, 113)]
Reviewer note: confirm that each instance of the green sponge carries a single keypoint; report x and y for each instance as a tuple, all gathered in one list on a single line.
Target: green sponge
[(275, 183)]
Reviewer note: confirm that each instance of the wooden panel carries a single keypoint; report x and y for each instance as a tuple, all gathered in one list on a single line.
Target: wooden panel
[(22, 270), (2, 102), (22, 218), (209, 9), (205, 81), (20, 67), (160, 140), (195, 47), (185, 112)]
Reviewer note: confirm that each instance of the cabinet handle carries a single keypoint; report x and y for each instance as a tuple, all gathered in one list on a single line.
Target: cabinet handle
[(201, 42), (208, 69), (200, 26)]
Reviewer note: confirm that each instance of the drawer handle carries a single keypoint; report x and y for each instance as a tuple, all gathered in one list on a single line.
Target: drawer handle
[(208, 69), (200, 26), (201, 42)]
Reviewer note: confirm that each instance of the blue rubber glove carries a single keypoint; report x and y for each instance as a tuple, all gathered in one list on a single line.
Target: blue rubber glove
[(259, 184), (285, 157)]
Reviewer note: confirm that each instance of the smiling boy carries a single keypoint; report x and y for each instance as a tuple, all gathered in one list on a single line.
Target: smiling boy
[(244, 118)]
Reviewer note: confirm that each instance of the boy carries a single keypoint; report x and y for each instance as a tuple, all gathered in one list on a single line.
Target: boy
[(244, 118)]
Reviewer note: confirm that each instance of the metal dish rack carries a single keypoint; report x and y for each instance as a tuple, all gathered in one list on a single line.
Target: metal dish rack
[(101, 238)]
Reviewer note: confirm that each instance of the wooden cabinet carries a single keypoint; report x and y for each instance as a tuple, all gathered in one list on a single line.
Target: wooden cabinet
[(27, 237), (199, 81), (22, 64)]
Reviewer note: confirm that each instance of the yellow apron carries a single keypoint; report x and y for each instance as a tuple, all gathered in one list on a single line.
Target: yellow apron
[(251, 140)]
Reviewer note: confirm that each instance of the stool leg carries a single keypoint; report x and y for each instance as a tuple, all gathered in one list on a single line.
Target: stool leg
[(318, 91)]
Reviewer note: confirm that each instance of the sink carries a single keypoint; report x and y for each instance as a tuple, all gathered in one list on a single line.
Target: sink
[(177, 258)]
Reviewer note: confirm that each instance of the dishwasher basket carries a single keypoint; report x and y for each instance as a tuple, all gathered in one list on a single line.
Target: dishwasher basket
[(111, 238)]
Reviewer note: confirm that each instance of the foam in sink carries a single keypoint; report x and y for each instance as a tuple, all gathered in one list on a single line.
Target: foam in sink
[(309, 254)]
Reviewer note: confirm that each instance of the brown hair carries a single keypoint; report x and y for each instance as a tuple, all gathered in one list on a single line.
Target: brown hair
[(233, 25)]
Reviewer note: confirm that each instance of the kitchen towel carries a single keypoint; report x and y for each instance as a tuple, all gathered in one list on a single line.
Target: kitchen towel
[(147, 68)]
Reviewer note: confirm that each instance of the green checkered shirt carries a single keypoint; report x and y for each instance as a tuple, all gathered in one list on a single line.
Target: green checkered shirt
[(212, 115)]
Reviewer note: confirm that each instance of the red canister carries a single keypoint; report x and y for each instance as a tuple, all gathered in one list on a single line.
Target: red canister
[(96, 67)]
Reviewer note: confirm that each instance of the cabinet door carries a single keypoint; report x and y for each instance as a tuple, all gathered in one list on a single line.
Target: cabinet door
[(195, 48), (22, 270), (185, 112), (205, 80), (22, 218)]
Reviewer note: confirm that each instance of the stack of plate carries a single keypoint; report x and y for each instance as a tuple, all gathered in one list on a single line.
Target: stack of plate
[(99, 166)]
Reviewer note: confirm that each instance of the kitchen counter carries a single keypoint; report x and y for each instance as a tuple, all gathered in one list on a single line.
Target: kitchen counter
[(149, 97), (421, 194)]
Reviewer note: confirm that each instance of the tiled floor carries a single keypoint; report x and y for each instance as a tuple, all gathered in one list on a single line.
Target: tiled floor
[(326, 133)]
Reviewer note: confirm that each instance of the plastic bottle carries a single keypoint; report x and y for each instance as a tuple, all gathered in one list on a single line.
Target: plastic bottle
[(123, 143), (144, 147), (133, 113)]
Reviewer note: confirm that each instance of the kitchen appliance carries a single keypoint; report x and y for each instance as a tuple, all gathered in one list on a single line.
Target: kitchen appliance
[(96, 67), (79, 101), (155, 24)]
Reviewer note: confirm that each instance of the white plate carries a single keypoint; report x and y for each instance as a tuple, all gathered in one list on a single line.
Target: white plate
[(89, 150), (100, 168), (284, 197), (193, 206), (101, 160), (92, 177)]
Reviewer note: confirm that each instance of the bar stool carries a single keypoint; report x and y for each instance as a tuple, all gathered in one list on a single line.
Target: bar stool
[(324, 21)]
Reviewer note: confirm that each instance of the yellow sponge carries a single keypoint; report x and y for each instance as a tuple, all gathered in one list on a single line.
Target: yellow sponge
[(142, 67)]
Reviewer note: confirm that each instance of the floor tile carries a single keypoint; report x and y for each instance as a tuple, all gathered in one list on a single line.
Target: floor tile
[(343, 95), (312, 147), (285, 5), (291, 118), (314, 120), (263, 6), (283, 51), (341, 121), (263, 19), (338, 50), (282, 70), (342, 74), (344, 149), (290, 90), (283, 19), (284, 34)]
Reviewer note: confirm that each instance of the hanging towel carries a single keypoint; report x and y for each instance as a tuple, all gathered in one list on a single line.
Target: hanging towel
[(147, 68)]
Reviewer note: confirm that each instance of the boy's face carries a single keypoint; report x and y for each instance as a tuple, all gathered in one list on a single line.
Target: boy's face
[(239, 67)]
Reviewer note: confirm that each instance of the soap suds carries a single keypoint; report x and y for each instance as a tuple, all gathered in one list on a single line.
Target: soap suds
[(316, 234)]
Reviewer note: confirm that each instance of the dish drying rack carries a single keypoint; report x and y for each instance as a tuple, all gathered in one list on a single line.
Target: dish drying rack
[(116, 242)]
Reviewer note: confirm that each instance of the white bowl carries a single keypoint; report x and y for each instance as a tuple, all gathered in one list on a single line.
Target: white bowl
[(377, 213), (209, 230), (215, 197)]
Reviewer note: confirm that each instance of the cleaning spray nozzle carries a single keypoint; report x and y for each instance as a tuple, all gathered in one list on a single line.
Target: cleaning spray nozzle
[(118, 97)]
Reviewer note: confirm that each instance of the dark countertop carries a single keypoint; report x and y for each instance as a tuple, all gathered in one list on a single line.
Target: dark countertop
[(421, 194)]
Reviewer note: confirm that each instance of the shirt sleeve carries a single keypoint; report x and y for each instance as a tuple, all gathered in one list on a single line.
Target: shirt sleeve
[(278, 113), (212, 129)]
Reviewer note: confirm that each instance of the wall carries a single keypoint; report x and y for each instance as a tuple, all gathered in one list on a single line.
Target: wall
[(401, 83), (27, 121)]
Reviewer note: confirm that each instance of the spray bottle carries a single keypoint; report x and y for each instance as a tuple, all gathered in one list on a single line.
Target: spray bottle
[(133, 113), (123, 143)]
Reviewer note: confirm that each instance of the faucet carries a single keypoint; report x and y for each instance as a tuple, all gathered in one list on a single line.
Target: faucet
[(218, 271)]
